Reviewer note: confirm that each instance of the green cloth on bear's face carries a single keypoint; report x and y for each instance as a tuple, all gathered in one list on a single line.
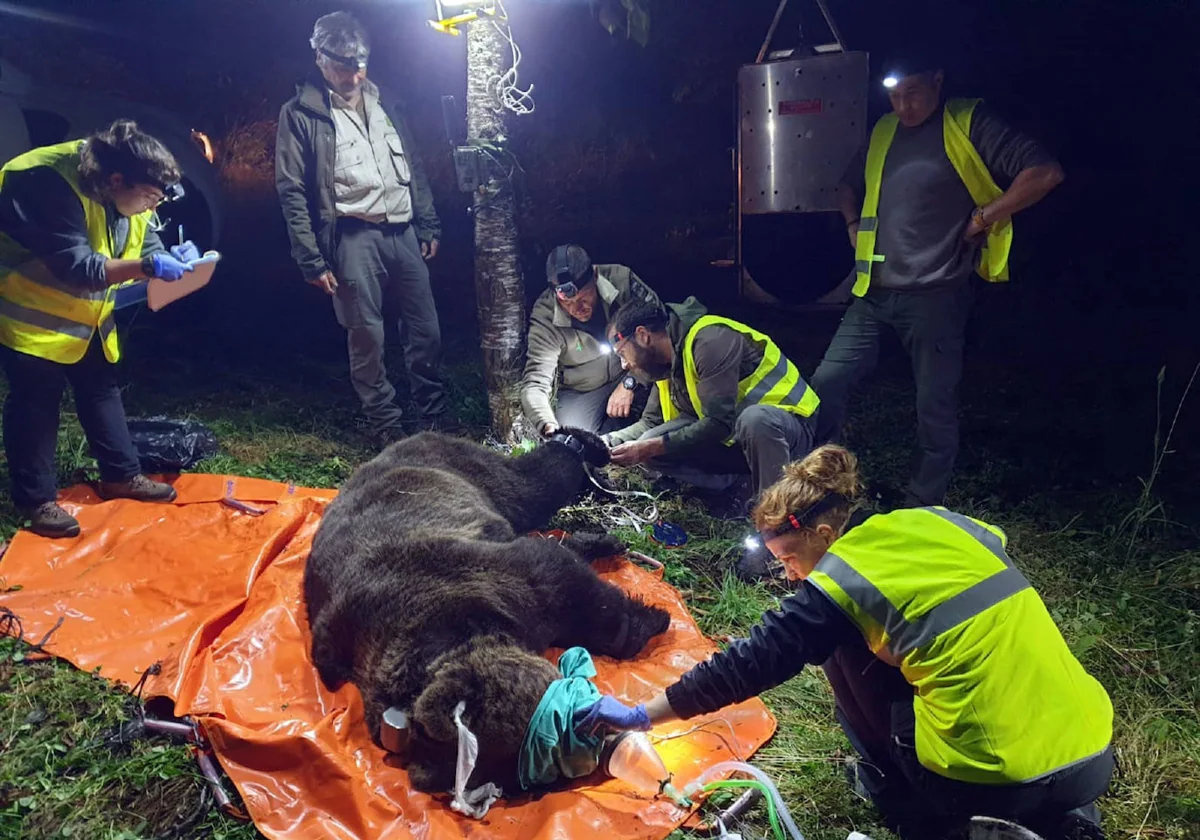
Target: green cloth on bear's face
[(552, 749)]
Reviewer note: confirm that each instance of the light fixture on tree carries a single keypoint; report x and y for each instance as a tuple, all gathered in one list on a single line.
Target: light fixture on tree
[(462, 12)]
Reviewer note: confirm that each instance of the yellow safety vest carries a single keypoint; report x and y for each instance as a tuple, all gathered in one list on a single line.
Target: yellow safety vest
[(775, 381), (998, 696), (40, 314), (956, 131)]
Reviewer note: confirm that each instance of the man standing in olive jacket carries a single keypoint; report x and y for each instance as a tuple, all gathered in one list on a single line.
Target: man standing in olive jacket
[(568, 346), (362, 223)]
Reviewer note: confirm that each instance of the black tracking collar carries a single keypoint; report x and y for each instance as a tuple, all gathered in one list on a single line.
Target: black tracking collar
[(568, 440)]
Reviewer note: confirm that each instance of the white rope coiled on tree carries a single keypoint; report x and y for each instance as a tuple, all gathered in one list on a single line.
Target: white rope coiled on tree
[(508, 94)]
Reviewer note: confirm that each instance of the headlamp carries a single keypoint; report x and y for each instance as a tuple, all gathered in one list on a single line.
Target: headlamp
[(757, 540), (793, 522), (565, 284), (796, 521), (891, 80), (348, 62)]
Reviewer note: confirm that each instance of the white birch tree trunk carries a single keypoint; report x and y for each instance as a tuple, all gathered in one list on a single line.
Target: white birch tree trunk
[(499, 290)]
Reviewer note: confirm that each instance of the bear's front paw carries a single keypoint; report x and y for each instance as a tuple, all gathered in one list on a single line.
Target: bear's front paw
[(591, 547)]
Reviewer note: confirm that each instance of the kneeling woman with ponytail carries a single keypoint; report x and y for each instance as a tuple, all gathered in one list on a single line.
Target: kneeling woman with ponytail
[(951, 679)]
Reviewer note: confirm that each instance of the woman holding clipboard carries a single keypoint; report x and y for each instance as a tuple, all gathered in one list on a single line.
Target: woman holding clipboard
[(75, 234)]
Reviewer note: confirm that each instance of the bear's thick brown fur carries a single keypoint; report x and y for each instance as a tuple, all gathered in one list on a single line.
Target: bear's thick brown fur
[(424, 591)]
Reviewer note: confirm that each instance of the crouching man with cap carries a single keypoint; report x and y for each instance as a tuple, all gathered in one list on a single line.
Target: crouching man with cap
[(568, 348)]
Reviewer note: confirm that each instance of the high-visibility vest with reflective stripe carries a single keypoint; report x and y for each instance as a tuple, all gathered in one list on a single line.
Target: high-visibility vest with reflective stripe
[(40, 314), (775, 381), (998, 696), (956, 133)]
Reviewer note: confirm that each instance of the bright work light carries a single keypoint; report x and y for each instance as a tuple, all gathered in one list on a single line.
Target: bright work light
[(467, 11), (891, 80)]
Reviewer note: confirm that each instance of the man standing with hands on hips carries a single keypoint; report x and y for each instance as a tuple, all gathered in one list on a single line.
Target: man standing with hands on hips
[(362, 223), (924, 211)]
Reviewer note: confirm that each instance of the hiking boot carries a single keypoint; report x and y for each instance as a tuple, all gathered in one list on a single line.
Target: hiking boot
[(445, 423), (383, 438), (757, 564), (50, 520), (138, 488), (855, 780), (994, 828), (1082, 824), (731, 504)]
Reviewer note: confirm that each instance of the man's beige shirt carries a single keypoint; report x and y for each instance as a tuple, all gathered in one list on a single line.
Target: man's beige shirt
[(371, 173)]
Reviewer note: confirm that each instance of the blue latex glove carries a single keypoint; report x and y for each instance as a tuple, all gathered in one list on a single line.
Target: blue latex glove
[(187, 252), (611, 713), (167, 267)]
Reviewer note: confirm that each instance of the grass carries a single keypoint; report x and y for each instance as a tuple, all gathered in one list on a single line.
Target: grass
[(1129, 608)]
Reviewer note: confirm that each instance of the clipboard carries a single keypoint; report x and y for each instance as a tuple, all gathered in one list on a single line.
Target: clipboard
[(161, 292)]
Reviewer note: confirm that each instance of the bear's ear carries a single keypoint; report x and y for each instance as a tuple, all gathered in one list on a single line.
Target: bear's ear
[(453, 683)]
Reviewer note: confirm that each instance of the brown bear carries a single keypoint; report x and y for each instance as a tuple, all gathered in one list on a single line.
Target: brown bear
[(425, 590)]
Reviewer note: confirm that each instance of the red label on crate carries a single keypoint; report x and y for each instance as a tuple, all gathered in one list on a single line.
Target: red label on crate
[(791, 108)]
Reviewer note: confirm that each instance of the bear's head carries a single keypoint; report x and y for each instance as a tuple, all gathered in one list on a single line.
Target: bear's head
[(501, 685), (587, 444)]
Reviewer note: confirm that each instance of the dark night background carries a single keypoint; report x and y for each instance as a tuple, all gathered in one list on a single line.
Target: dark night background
[(629, 154)]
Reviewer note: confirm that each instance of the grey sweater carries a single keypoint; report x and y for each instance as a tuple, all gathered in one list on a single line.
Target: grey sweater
[(924, 207)]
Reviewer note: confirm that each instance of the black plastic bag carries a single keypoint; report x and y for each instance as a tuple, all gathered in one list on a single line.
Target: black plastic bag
[(168, 446)]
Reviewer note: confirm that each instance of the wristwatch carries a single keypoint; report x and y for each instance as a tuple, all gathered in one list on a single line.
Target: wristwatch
[(977, 217), (629, 382)]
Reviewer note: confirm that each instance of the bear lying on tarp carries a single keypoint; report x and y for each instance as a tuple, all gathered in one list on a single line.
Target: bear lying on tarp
[(424, 592)]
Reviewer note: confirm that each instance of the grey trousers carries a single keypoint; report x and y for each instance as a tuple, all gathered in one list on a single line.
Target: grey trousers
[(766, 440), (930, 326), (589, 409), (380, 270)]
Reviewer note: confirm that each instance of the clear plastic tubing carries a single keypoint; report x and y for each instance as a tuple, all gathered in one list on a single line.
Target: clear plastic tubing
[(719, 770)]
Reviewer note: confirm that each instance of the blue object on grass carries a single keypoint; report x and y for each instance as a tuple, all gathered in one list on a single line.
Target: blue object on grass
[(664, 533)]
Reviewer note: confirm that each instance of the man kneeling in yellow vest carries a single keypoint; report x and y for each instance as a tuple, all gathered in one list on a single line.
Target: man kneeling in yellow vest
[(75, 237), (727, 402)]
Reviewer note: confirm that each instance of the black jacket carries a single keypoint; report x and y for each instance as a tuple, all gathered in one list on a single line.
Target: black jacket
[(304, 160), (806, 629)]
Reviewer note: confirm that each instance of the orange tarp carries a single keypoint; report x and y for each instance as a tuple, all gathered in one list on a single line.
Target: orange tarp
[(214, 593)]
